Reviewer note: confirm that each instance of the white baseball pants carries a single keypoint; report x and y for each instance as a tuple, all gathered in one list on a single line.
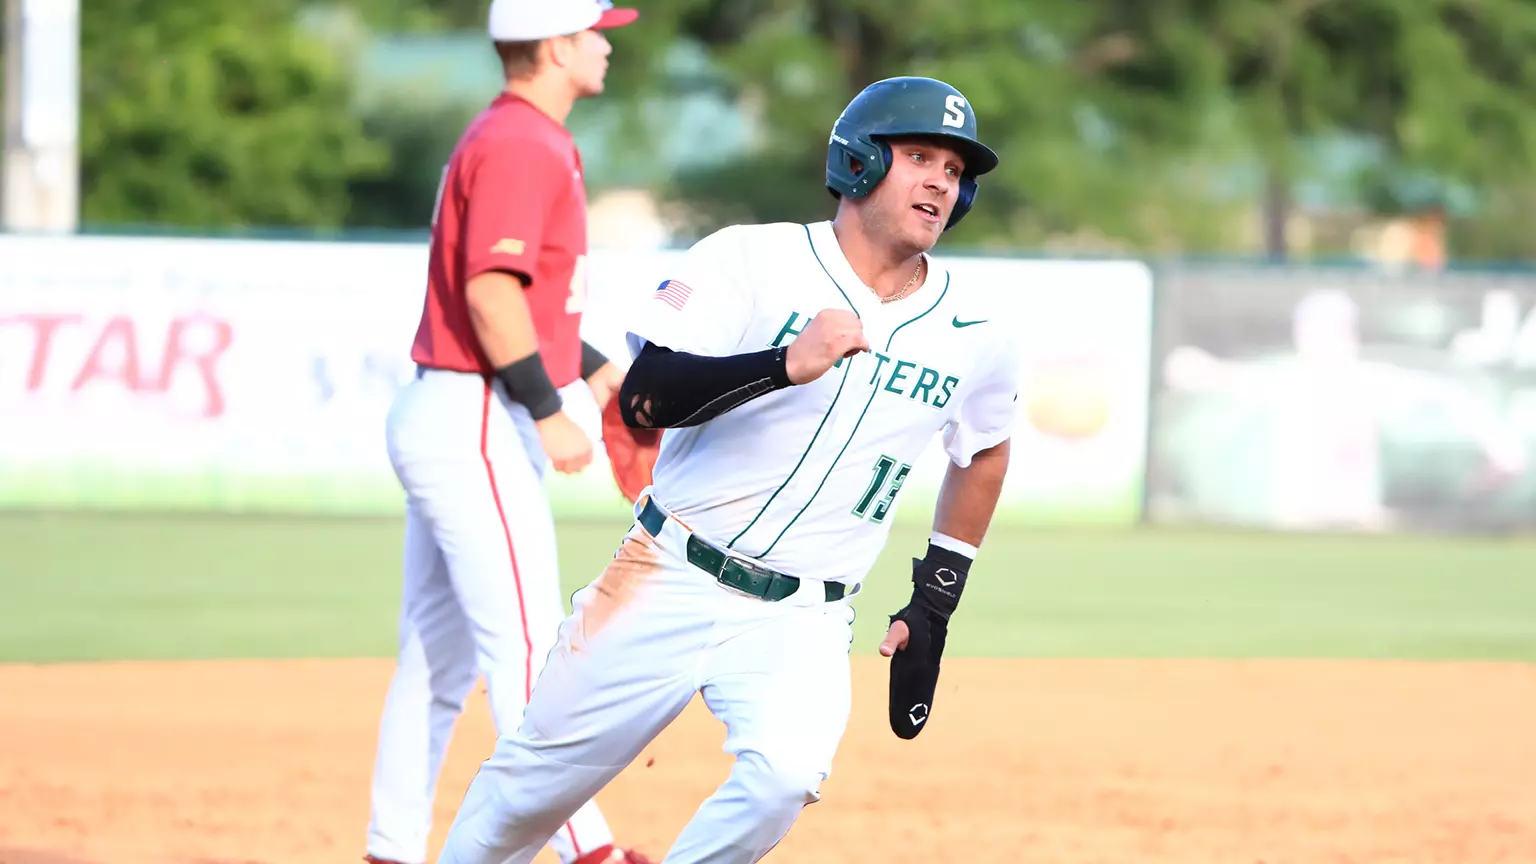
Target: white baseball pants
[(647, 635), (481, 594)]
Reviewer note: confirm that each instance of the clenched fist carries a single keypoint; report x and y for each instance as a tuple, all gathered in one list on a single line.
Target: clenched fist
[(832, 335)]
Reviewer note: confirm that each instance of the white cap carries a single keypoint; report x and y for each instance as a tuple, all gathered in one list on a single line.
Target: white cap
[(531, 20)]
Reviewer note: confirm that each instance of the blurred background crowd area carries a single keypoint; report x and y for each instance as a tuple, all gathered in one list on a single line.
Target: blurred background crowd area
[(1366, 130)]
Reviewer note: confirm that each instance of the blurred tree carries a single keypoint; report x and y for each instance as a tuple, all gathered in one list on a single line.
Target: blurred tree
[(395, 16), (1078, 152), (427, 66), (1180, 124), (1123, 125), (1440, 88), (214, 115), (420, 134), (459, 14)]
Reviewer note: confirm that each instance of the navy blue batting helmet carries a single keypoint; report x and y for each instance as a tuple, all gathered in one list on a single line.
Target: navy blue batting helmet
[(900, 107)]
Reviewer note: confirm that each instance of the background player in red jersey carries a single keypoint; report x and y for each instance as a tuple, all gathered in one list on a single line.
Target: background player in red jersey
[(470, 438)]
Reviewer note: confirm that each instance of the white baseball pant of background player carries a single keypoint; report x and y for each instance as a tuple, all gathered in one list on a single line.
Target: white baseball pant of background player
[(481, 594), (819, 465)]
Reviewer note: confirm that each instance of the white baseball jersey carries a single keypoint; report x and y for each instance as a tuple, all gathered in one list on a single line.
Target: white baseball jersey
[(806, 479)]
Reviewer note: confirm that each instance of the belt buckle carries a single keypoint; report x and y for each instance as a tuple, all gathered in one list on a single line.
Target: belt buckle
[(744, 566), (726, 557), (741, 564), (721, 558)]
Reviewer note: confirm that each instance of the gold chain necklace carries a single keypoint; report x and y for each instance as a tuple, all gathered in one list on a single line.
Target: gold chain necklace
[(905, 288)]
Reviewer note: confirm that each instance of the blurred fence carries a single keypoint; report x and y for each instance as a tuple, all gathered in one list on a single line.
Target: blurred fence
[(255, 376), (1310, 398)]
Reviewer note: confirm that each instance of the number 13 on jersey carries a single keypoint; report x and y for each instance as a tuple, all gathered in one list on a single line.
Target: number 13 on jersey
[(888, 478)]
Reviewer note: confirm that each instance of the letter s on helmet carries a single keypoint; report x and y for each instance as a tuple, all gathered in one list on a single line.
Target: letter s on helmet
[(899, 107)]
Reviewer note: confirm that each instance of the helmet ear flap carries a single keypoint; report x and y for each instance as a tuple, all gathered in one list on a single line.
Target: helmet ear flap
[(874, 158), (874, 161), (967, 197)]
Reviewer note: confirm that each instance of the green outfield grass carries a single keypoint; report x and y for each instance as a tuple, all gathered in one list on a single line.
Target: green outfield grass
[(81, 587)]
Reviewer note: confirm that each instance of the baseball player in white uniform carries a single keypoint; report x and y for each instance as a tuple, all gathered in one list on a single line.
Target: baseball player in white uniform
[(799, 371)]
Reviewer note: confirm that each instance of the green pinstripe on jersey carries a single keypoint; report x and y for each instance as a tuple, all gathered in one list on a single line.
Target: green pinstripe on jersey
[(809, 444)]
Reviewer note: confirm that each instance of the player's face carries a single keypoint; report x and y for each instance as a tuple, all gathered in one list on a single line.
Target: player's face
[(913, 202), (586, 62)]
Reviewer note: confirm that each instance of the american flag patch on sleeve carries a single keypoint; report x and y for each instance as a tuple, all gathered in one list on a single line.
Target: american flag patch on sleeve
[(673, 293)]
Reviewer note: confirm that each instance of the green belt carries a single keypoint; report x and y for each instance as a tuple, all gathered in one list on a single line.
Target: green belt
[(742, 575)]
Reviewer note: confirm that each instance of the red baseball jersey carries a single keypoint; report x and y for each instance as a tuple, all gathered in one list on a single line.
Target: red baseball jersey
[(512, 198)]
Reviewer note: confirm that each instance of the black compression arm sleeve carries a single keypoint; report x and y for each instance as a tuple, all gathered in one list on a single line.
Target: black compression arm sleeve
[(666, 389)]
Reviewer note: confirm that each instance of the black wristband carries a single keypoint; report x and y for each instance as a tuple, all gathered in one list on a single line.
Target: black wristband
[(591, 360), (941, 557), (528, 383), (938, 580)]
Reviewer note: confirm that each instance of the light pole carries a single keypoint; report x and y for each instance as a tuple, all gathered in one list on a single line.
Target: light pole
[(40, 185)]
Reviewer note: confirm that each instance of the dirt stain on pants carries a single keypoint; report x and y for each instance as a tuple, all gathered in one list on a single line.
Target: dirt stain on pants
[(636, 563)]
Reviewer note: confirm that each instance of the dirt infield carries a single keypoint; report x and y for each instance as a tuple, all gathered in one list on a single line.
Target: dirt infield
[(1083, 761)]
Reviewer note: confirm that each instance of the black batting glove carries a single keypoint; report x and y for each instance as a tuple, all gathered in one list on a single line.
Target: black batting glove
[(938, 579)]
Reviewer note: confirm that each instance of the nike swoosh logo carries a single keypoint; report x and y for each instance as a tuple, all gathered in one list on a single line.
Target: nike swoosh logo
[(958, 323)]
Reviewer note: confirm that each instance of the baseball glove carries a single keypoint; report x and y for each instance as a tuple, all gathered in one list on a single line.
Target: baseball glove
[(631, 452)]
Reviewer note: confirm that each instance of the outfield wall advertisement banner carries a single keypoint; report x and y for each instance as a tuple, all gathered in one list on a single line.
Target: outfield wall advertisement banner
[(200, 375), (255, 376), (1344, 400)]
